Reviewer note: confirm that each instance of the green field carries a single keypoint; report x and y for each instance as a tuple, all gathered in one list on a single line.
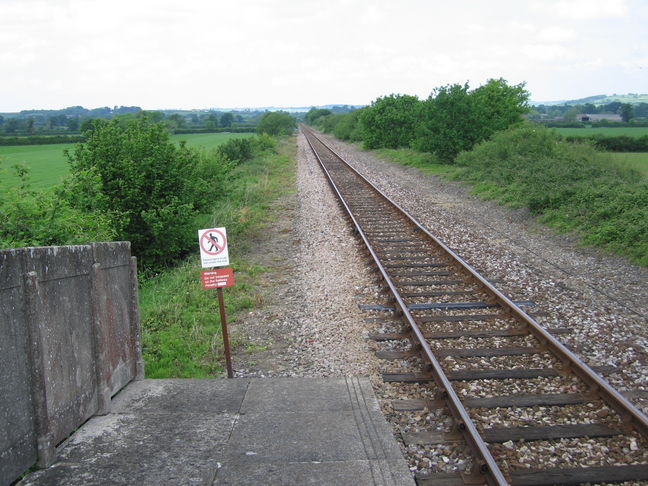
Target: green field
[(638, 161), (606, 131), (48, 165)]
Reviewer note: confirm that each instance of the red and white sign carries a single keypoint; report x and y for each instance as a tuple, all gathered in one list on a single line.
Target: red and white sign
[(220, 277), (213, 247)]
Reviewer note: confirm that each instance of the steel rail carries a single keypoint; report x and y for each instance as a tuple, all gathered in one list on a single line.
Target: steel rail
[(487, 465), (598, 385), (632, 417)]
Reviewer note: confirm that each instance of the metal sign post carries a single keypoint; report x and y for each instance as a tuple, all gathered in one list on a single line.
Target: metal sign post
[(214, 253), (228, 356)]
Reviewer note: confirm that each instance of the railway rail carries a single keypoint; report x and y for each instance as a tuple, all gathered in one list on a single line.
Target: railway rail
[(469, 335)]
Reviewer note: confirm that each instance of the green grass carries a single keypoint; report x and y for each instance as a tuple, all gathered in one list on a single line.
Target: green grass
[(570, 187), (208, 141), (48, 165), (606, 131), (635, 160), (425, 162), (181, 333)]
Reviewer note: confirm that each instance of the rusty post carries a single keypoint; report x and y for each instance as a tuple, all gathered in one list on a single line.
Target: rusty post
[(226, 346)]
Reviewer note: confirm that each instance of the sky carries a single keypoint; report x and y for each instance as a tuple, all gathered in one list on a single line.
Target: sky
[(164, 54)]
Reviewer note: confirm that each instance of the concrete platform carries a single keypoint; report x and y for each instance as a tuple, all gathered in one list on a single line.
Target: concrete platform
[(280, 431)]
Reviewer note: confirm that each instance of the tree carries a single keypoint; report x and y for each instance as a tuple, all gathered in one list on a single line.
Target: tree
[(211, 120), (148, 186), (627, 112), (500, 106), (73, 123), (390, 121), (11, 125), (449, 122), (226, 120), (276, 123), (314, 113), (455, 119), (177, 120)]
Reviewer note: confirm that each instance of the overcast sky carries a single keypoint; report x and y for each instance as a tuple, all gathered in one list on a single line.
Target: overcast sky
[(238, 53)]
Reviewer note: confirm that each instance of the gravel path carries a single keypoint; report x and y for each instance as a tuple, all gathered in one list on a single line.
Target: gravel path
[(310, 323)]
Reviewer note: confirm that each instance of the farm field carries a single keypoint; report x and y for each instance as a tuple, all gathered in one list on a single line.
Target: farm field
[(606, 131), (49, 166), (636, 160)]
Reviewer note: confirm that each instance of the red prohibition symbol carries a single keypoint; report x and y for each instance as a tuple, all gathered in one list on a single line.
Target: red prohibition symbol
[(213, 242)]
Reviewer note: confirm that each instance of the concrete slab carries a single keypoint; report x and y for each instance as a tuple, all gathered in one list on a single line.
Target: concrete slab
[(182, 396), (222, 432), (297, 395)]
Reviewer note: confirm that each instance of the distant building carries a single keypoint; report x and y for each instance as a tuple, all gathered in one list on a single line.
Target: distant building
[(598, 117)]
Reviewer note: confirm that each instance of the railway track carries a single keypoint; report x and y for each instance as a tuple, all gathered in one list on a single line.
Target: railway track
[(484, 355)]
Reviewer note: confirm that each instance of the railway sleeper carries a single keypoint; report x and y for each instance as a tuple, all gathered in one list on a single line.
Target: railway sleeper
[(461, 353), (491, 374), (507, 401), (505, 434)]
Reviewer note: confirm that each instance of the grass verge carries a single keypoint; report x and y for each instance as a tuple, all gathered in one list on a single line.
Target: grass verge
[(570, 187), (425, 162), (181, 334)]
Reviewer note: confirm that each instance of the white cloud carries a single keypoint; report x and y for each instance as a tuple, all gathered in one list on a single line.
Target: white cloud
[(591, 9), (167, 53), (543, 52), (557, 34)]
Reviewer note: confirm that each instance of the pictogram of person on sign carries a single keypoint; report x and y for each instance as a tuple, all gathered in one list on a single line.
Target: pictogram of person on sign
[(213, 241)]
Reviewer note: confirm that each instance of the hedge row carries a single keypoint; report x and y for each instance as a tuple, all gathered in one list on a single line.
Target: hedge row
[(621, 143), (41, 140), (184, 131)]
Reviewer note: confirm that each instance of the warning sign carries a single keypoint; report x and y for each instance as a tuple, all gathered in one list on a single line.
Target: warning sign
[(213, 279), (213, 247)]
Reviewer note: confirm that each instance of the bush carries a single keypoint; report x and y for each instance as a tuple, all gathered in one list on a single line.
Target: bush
[(276, 123), (40, 140), (43, 218), (390, 121), (454, 119), (615, 144), (236, 149), (348, 126), (571, 186), (314, 113), (149, 188)]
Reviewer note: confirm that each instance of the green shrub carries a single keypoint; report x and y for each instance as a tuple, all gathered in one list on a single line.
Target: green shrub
[(390, 121), (570, 186), (276, 123), (620, 143), (348, 126), (237, 149), (149, 187), (42, 218)]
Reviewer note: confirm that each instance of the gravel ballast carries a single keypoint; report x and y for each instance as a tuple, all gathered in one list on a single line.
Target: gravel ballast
[(311, 325)]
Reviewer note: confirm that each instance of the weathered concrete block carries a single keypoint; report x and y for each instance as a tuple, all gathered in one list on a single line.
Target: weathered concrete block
[(69, 340), (17, 425), (64, 337), (116, 342)]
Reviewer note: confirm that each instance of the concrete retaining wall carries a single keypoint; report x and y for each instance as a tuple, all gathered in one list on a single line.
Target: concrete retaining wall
[(69, 340)]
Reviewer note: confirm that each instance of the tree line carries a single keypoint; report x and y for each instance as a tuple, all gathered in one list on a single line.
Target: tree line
[(71, 120), (452, 119), (569, 112)]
